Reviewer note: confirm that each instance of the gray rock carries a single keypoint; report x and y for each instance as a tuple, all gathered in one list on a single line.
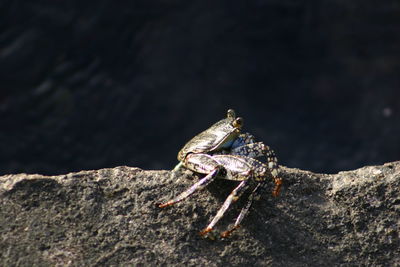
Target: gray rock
[(108, 217)]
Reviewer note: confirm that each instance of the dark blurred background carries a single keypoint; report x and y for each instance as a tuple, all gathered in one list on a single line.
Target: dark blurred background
[(94, 84)]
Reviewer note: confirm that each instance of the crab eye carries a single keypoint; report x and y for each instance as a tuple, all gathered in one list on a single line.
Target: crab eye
[(230, 114), (238, 123)]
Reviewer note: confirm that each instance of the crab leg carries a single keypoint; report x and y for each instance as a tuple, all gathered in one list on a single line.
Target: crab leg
[(201, 163), (175, 170), (234, 196), (197, 186), (243, 212), (243, 139), (255, 150), (177, 167)]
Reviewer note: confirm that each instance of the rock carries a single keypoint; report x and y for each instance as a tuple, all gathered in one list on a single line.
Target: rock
[(108, 217)]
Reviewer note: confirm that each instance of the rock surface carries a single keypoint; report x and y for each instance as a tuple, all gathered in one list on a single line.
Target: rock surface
[(107, 217)]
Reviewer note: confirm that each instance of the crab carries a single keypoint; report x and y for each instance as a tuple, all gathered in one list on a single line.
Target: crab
[(223, 152), (250, 172), (224, 137)]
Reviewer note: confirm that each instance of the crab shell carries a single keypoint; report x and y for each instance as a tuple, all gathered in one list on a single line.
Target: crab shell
[(219, 136)]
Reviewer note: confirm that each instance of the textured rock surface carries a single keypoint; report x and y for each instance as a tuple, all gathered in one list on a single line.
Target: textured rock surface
[(108, 216)]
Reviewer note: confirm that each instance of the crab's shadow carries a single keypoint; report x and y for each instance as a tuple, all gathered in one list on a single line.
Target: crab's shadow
[(288, 226)]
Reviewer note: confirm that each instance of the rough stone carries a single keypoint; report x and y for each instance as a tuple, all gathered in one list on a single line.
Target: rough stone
[(108, 217)]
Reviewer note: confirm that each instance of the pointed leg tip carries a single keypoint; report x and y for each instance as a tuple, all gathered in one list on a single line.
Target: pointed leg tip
[(205, 231), (275, 193), (227, 233), (162, 205), (277, 189), (278, 181)]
